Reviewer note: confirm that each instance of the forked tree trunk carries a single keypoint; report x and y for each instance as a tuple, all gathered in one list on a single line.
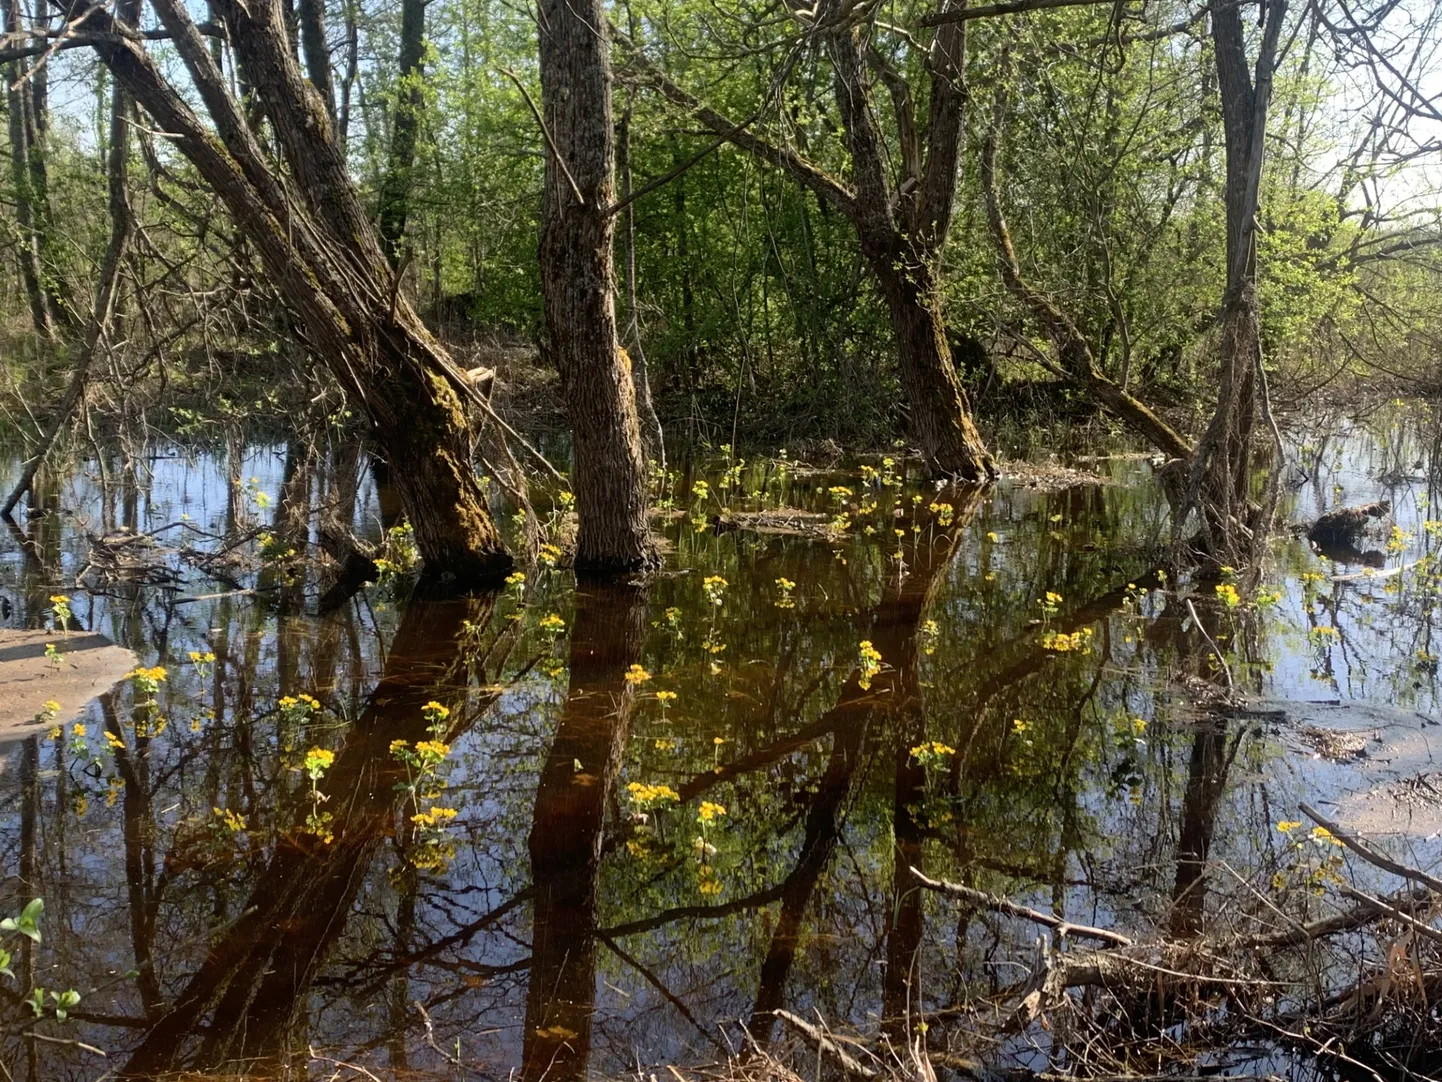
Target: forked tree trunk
[(1233, 526), (320, 250), (902, 222), (578, 284)]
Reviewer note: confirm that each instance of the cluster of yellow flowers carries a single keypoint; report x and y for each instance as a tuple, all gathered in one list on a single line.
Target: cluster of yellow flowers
[(437, 816), (232, 821), (652, 796), (870, 662), (1060, 642)]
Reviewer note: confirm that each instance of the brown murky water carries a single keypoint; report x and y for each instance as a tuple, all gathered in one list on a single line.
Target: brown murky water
[(636, 819)]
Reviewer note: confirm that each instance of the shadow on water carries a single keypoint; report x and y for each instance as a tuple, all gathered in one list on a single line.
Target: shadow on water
[(439, 839)]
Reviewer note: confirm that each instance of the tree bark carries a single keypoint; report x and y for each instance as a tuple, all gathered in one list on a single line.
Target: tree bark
[(317, 245), (395, 195), (578, 286), (316, 49), (19, 102), (940, 414), (655, 438)]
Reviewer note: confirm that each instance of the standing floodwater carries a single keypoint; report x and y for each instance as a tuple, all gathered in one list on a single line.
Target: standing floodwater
[(568, 831)]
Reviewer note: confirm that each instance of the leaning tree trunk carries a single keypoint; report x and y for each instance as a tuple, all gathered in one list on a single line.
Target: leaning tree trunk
[(316, 243), (577, 281)]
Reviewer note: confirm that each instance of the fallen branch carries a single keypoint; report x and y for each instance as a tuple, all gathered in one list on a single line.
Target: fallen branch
[(1061, 926), (825, 1043), (1370, 910), (1370, 855)]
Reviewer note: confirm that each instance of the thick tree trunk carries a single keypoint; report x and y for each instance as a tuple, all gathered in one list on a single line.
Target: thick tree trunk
[(940, 417), (395, 195), (577, 280), (318, 247)]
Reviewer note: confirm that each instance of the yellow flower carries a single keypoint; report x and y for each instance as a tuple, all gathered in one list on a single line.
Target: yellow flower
[(636, 675), (232, 821), (666, 696), (652, 796), (709, 812), (78, 729), (1286, 826), (435, 817), (552, 623), (113, 740)]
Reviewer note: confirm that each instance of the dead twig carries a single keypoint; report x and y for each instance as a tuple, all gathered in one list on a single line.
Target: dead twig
[(1370, 855), (1061, 926)]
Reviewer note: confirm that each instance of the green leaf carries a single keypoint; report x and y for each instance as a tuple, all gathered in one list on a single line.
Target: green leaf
[(64, 1001), (28, 922)]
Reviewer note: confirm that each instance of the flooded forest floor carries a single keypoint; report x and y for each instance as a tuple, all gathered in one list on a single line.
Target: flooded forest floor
[(874, 778)]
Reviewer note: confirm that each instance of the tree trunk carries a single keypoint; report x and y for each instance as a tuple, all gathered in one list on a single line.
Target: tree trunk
[(655, 439), (18, 109), (395, 195), (1078, 362), (318, 247), (317, 52), (1232, 526), (902, 227), (577, 281), (940, 417)]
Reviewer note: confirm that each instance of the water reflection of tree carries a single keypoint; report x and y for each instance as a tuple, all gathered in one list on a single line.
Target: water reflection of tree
[(242, 1002), (567, 829)]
